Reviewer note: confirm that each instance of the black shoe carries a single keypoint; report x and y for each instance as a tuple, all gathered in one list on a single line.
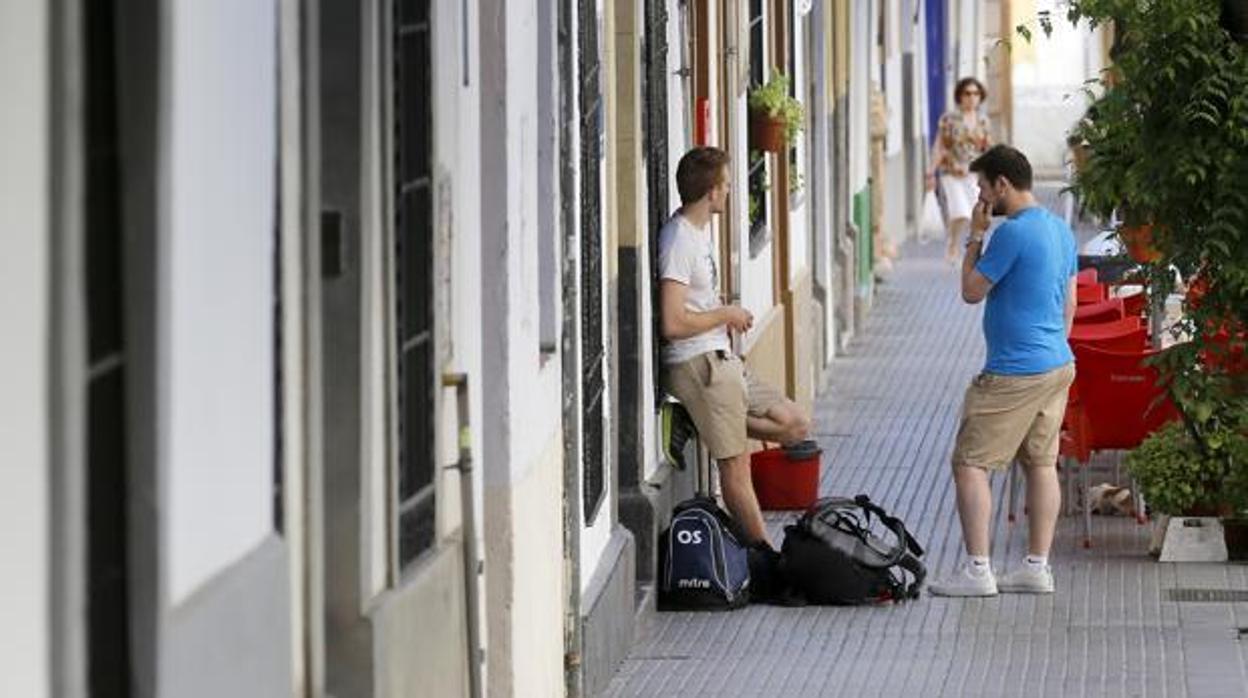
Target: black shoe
[(768, 582), (677, 430)]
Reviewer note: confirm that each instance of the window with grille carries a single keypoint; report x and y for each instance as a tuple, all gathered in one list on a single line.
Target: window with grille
[(592, 345), (797, 75), (107, 449), (758, 184), (656, 149), (413, 240)]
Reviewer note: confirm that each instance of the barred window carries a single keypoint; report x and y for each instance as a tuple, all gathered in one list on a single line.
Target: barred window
[(413, 239), (592, 345)]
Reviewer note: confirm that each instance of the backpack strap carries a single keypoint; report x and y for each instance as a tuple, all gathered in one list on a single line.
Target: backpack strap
[(917, 569), (892, 522), (909, 548)]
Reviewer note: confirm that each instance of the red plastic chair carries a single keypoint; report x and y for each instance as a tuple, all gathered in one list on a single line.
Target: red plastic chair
[(1135, 305), (1119, 405), (1104, 311), (1094, 293), (1127, 334), (1087, 277)]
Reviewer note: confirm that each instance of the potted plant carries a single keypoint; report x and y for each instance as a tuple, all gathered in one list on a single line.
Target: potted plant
[(775, 116), (1167, 131), (1173, 476), (1139, 242)]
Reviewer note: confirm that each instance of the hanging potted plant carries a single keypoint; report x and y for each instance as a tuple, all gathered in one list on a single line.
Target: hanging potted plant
[(775, 115), (1139, 242)]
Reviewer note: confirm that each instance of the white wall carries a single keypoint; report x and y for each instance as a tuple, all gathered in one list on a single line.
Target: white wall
[(1048, 79), (534, 395), (216, 284), (522, 464), (967, 24), (24, 351), (859, 98)]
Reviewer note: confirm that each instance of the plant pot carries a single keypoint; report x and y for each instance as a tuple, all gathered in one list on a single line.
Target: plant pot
[(1235, 533), (767, 133), (1221, 510), (1235, 19), (1139, 243), (1079, 156)]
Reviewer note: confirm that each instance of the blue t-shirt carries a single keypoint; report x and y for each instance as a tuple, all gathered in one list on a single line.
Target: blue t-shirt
[(1029, 261)]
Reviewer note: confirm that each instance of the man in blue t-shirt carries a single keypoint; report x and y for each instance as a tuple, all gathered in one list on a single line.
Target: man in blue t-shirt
[(1014, 408)]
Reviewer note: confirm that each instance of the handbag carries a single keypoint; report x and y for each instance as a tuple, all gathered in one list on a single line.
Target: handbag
[(932, 225)]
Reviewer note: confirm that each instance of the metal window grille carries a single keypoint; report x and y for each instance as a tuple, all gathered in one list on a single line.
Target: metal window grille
[(279, 378), (656, 148), (592, 345), (757, 179), (413, 239), (106, 452)]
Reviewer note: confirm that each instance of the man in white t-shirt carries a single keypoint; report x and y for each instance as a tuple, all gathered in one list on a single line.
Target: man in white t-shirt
[(726, 402)]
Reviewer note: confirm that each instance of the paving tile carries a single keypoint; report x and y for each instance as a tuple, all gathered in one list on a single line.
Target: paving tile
[(886, 421)]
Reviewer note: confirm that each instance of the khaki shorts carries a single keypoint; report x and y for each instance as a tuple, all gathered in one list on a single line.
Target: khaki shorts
[(1013, 417), (719, 392)]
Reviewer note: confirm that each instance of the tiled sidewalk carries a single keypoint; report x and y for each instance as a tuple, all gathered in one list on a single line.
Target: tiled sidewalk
[(886, 422)]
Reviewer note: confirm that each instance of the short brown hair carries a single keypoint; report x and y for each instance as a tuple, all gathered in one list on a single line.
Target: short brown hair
[(698, 172), (1003, 161), (965, 83)]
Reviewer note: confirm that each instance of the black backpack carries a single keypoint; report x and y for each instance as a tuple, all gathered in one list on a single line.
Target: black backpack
[(702, 560), (832, 555)]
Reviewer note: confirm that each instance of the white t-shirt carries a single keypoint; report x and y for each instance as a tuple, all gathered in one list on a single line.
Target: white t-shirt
[(687, 255)]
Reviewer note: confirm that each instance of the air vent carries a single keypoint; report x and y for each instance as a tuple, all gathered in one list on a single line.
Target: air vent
[(1208, 595)]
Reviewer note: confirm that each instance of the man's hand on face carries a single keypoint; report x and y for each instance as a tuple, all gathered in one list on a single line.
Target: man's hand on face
[(739, 318), (981, 217)]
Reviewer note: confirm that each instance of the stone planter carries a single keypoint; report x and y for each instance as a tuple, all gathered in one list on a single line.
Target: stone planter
[(1235, 533)]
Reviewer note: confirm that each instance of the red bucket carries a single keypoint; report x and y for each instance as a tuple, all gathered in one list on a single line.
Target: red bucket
[(782, 481)]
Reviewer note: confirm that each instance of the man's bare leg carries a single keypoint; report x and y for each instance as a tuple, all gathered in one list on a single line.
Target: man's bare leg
[(974, 507), (1044, 503), (738, 490), (783, 423)]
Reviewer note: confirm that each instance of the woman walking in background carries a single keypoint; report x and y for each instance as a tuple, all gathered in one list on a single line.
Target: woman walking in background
[(961, 136)]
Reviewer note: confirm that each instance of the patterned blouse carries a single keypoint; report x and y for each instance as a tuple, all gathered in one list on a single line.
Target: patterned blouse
[(960, 144)]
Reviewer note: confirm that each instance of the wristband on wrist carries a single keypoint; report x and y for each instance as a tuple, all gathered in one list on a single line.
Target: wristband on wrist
[(974, 239)]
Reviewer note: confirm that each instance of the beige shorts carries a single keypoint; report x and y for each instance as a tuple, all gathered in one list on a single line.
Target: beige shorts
[(1013, 417), (719, 392)]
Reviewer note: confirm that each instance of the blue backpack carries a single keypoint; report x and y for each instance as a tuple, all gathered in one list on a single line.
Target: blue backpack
[(702, 560)]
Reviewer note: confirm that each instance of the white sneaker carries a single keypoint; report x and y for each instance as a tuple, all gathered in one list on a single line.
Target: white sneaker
[(1026, 579), (965, 582)]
